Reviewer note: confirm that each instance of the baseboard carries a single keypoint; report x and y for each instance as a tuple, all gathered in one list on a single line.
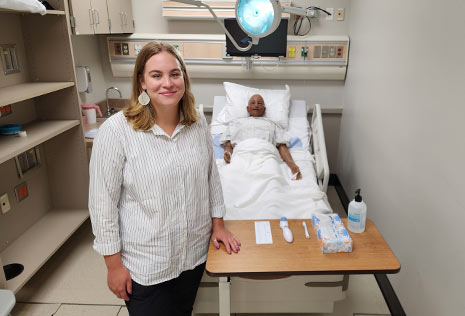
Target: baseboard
[(390, 296)]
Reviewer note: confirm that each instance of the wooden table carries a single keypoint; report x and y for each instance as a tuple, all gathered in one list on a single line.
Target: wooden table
[(371, 254)]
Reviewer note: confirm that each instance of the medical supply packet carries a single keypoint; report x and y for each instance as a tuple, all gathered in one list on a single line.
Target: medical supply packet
[(331, 233)]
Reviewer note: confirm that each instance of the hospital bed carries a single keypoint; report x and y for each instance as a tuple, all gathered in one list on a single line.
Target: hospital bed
[(291, 294)]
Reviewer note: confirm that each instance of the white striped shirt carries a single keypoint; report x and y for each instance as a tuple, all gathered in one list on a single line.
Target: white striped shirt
[(152, 197)]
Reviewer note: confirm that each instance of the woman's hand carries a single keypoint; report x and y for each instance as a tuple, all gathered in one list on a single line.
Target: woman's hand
[(118, 277), (296, 171), (220, 233)]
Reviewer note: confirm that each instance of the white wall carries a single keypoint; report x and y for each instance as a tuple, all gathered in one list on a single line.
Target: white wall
[(402, 142)]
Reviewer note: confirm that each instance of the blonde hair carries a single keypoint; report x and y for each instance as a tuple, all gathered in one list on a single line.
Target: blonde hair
[(142, 117)]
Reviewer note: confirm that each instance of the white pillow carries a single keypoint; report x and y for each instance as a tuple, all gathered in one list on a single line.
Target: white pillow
[(32, 6), (237, 97)]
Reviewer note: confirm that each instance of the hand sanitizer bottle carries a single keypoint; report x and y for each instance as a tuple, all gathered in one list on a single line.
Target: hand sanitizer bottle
[(357, 214)]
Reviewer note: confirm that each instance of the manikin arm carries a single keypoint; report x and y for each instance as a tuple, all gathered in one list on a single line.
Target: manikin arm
[(286, 155)]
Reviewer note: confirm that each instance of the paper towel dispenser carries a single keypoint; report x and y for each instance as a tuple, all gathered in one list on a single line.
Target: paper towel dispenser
[(84, 82)]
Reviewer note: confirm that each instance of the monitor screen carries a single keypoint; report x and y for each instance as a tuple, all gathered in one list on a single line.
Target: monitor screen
[(273, 45)]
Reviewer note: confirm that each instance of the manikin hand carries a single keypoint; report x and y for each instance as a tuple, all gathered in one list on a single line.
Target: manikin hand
[(227, 156), (296, 171)]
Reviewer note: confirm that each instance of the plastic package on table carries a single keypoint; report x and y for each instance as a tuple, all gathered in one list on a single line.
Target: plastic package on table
[(331, 233)]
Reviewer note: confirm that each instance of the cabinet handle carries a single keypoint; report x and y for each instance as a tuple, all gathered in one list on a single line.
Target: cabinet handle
[(97, 17), (125, 19), (121, 18), (91, 17)]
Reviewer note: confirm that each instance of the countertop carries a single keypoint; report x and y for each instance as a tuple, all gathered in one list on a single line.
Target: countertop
[(87, 127)]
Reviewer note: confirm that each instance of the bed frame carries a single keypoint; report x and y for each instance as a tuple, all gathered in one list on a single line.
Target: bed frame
[(291, 294)]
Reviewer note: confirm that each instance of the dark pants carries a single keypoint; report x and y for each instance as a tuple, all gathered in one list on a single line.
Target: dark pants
[(175, 297)]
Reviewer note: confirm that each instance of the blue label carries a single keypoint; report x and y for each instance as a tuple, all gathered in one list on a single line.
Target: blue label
[(354, 217)]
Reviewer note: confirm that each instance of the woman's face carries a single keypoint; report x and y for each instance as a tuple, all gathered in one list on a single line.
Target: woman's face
[(163, 80)]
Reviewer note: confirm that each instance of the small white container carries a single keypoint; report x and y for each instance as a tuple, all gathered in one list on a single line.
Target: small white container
[(91, 116), (357, 214)]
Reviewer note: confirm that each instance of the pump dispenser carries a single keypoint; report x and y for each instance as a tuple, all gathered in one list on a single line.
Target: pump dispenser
[(357, 214)]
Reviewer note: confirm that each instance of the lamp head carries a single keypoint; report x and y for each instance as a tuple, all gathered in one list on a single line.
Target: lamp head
[(258, 18)]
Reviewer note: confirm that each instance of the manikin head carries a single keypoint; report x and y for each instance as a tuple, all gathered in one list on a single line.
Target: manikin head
[(256, 106)]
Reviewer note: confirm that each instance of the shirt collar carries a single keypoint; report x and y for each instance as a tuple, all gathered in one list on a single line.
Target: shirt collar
[(157, 130)]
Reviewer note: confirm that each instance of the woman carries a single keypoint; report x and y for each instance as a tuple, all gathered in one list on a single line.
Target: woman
[(155, 194)]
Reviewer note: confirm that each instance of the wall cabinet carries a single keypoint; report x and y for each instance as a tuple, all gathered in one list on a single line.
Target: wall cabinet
[(120, 13), (101, 16), (44, 100)]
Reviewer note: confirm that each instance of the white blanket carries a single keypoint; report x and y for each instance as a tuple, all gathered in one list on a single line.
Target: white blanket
[(257, 184)]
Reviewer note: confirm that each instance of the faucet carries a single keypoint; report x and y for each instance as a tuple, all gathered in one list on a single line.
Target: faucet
[(108, 114)]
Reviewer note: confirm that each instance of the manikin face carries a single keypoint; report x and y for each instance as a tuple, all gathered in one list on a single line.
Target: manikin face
[(256, 106), (163, 80)]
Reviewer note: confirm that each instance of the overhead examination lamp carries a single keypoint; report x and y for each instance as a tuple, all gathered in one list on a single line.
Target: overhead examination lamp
[(257, 18)]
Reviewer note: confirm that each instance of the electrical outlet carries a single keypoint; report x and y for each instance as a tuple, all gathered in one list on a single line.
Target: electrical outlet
[(9, 59), (340, 14), (5, 110), (5, 203), (21, 192)]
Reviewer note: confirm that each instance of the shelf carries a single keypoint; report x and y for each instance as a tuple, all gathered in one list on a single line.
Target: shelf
[(40, 242), (53, 12), (25, 91), (37, 133)]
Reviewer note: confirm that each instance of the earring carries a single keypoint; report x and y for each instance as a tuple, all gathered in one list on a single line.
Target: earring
[(144, 98)]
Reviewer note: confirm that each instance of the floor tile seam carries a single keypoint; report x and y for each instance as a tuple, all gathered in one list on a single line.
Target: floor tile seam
[(61, 303)]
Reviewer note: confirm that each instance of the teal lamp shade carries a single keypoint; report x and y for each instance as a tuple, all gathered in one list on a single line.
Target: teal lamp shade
[(256, 17)]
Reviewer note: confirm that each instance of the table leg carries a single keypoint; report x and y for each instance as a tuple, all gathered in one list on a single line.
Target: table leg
[(224, 298)]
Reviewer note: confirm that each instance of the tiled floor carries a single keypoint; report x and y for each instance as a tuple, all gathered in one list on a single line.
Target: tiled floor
[(73, 282)]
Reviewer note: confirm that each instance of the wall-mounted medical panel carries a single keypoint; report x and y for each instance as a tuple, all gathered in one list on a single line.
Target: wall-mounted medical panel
[(223, 9), (310, 57)]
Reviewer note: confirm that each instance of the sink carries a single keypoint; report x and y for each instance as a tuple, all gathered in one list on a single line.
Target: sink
[(112, 111)]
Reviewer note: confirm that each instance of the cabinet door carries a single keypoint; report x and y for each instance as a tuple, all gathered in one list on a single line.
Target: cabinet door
[(128, 19), (100, 15), (116, 16), (83, 16)]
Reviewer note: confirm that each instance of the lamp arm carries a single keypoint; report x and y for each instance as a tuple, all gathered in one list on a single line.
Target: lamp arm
[(296, 10), (199, 3), (243, 49)]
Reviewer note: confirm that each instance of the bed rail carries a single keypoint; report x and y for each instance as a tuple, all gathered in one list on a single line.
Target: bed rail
[(317, 142)]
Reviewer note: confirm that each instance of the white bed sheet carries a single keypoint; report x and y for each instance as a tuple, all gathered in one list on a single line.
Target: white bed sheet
[(257, 183)]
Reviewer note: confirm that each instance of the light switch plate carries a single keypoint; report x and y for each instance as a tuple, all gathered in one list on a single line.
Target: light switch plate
[(330, 17), (5, 203)]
